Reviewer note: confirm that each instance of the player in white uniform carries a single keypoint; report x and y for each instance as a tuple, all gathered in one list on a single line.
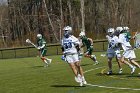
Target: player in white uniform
[(113, 50), (128, 50), (70, 47)]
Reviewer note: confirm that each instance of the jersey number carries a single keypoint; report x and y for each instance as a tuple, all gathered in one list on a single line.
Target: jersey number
[(68, 45), (111, 44)]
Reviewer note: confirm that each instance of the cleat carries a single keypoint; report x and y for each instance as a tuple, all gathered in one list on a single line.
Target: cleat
[(109, 73), (49, 61), (78, 78), (81, 84), (133, 69), (120, 71), (46, 65), (96, 63), (84, 82)]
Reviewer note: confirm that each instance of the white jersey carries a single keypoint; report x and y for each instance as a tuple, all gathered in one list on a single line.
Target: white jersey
[(69, 45), (113, 42), (124, 42), (128, 52)]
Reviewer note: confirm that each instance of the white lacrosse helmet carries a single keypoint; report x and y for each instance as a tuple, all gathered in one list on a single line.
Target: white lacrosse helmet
[(67, 28), (67, 31), (111, 30), (39, 36), (120, 29), (126, 28), (82, 34)]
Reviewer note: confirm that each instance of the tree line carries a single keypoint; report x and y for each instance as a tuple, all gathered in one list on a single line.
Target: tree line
[(22, 19)]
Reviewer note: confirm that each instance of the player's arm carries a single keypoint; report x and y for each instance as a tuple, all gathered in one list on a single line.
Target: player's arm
[(62, 48), (82, 45), (91, 41), (43, 45)]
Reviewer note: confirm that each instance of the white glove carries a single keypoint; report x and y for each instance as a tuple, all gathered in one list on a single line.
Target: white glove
[(38, 48), (107, 36)]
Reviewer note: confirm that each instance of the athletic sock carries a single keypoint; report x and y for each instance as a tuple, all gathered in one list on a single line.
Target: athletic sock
[(46, 61), (131, 66)]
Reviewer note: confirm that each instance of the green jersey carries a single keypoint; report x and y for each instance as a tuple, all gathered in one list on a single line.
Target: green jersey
[(86, 42), (128, 35), (42, 44)]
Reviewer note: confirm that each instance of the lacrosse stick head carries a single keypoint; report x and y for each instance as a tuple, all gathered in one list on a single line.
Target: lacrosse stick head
[(28, 41)]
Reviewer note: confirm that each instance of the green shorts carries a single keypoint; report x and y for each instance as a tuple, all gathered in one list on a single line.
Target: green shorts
[(89, 51), (43, 52)]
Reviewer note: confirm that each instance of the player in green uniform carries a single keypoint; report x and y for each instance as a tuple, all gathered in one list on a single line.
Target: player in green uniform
[(88, 42), (128, 34), (41, 43)]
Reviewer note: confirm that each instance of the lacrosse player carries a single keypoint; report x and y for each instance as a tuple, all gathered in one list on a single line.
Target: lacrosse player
[(41, 46), (128, 50), (88, 42), (126, 31), (70, 48), (113, 50), (136, 38)]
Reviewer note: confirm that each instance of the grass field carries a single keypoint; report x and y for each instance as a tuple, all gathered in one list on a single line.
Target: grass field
[(27, 75)]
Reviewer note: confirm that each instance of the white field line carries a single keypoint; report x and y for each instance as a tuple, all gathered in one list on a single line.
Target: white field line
[(107, 87)]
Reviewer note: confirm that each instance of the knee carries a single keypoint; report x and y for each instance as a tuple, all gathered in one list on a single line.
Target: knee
[(42, 58), (93, 56)]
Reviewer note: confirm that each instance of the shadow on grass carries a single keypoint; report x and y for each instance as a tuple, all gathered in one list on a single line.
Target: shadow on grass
[(113, 74), (137, 76), (86, 64), (37, 66), (66, 86)]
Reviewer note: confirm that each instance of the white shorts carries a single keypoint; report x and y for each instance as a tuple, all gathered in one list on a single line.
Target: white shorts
[(72, 58), (113, 53), (129, 54)]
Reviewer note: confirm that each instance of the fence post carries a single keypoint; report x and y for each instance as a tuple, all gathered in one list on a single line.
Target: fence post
[(28, 51), (1, 54), (15, 52), (103, 46)]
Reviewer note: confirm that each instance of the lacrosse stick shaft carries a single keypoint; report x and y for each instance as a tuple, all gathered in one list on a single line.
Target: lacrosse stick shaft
[(28, 41), (33, 44)]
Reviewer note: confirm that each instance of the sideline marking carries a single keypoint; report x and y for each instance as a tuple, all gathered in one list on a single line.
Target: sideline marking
[(119, 88)]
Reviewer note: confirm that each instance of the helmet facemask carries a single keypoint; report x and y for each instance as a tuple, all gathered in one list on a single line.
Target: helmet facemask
[(67, 31), (110, 31)]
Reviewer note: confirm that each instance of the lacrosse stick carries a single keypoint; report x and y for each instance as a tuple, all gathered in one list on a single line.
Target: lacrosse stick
[(28, 41)]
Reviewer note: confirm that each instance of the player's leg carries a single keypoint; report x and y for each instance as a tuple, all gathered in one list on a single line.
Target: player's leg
[(129, 54), (73, 67), (134, 62), (71, 63), (109, 66), (43, 58), (132, 56), (44, 51), (93, 57), (110, 55), (127, 63), (79, 69), (119, 64), (118, 59)]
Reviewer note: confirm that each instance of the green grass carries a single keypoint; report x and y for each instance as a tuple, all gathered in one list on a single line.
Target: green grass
[(27, 75)]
